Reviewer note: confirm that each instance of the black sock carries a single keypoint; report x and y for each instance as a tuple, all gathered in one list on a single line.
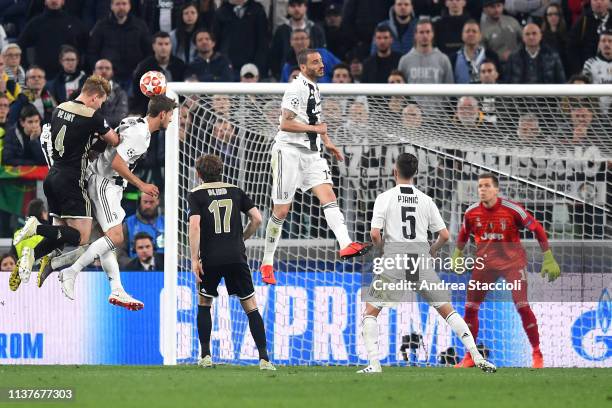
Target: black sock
[(258, 332), (204, 329), (63, 234), (46, 246)]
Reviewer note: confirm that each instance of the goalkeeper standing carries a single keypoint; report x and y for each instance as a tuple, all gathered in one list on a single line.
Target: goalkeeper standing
[(496, 223), (297, 162)]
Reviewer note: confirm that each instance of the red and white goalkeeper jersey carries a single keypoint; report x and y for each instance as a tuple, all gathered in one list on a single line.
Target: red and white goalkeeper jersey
[(496, 232)]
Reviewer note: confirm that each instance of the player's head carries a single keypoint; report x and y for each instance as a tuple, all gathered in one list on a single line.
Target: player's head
[(406, 167), (311, 64), (160, 110), (209, 168), (95, 91), (488, 187)]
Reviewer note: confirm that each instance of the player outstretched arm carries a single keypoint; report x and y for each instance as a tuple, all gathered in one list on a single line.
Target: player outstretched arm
[(255, 221), (194, 246), (121, 167)]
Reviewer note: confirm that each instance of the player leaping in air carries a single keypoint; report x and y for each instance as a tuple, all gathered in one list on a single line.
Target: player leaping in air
[(495, 223), (74, 127), (297, 162), (108, 176), (405, 215)]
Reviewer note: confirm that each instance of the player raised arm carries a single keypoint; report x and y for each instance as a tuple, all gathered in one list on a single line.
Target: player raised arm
[(255, 221), (121, 167)]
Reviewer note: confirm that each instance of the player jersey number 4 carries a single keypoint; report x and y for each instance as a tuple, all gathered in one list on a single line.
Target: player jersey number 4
[(406, 214), (302, 97)]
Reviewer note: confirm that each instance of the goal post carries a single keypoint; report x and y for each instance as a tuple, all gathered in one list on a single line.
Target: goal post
[(550, 145)]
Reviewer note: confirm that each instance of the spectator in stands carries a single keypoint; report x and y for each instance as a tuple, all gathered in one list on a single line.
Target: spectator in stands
[(121, 38), (501, 33), (7, 262), (208, 65), (332, 111), (148, 219), (146, 258), (360, 18), (159, 15), (534, 63), (163, 61), (425, 64), (22, 142), (224, 144), (35, 93), (241, 31), (489, 75), (4, 111), (72, 7), (412, 117), (554, 33), (116, 106), (356, 69), (295, 71), (183, 44), (526, 11), (466, 61), (599, 68), (70, 80), (402, 23), (221, 105), (584, 35), (47, 32), (249, 73), (449, 27), (528, 129), (282, 41), (300, 40), (13, 68), (8, 86), (357, 126), (468, 117), (376, 68), (396, 77), (573, 9), (341, 74), (581, 129), (338, 41)]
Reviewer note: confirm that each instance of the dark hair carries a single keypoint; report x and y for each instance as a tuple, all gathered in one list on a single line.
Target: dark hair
[(424, 20), (300, 30), (407, 165), (580, 77), (383, 29), (159, 104), (209, 168), (342, 65), (491, 176), (471, 21), (203, 30), (7, 255), (183, 38), (397, 72), (302, 57), (143, 235), (488, 61), (35, 208), (27, 111), (38, 67), (65, 49), (159, 34), (562, 27)]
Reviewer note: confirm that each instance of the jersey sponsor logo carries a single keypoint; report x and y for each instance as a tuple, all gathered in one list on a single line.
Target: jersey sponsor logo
[(491, 236), (591, 336)]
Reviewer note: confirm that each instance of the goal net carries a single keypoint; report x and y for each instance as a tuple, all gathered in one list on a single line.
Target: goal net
[(550, 146)]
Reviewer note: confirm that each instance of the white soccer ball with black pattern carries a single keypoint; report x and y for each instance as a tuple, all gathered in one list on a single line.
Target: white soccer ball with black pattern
[(153, 83)]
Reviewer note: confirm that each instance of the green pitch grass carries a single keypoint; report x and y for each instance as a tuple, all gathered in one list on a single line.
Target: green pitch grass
[(312, 387)]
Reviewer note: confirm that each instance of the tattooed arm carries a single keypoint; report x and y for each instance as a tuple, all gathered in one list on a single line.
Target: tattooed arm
[(289, 124)]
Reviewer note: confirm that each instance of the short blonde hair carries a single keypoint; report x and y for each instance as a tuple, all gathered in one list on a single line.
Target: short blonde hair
[(95, 84)]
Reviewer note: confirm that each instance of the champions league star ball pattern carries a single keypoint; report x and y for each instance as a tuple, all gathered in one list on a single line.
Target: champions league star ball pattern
[(153, 83)]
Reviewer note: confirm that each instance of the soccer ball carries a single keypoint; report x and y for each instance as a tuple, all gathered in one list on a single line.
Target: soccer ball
[(153, 83)]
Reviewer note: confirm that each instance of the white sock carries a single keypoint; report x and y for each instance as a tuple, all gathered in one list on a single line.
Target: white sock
[(60, 260), (111, 267), (369, 331), (95, 250), (335, 220), (461, 329), (273, 233)]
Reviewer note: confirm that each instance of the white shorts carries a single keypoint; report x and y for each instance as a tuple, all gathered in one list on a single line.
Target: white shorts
[(106, 197), (294, 168)]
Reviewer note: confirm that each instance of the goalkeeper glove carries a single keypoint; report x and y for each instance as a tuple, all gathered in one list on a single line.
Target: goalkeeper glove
[(550, 266), (457, 263)]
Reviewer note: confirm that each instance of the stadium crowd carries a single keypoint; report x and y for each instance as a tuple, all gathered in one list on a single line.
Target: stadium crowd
[(49, 47)]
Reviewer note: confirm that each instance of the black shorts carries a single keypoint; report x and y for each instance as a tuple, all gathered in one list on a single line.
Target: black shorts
[(66, 192), (238, 280)]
